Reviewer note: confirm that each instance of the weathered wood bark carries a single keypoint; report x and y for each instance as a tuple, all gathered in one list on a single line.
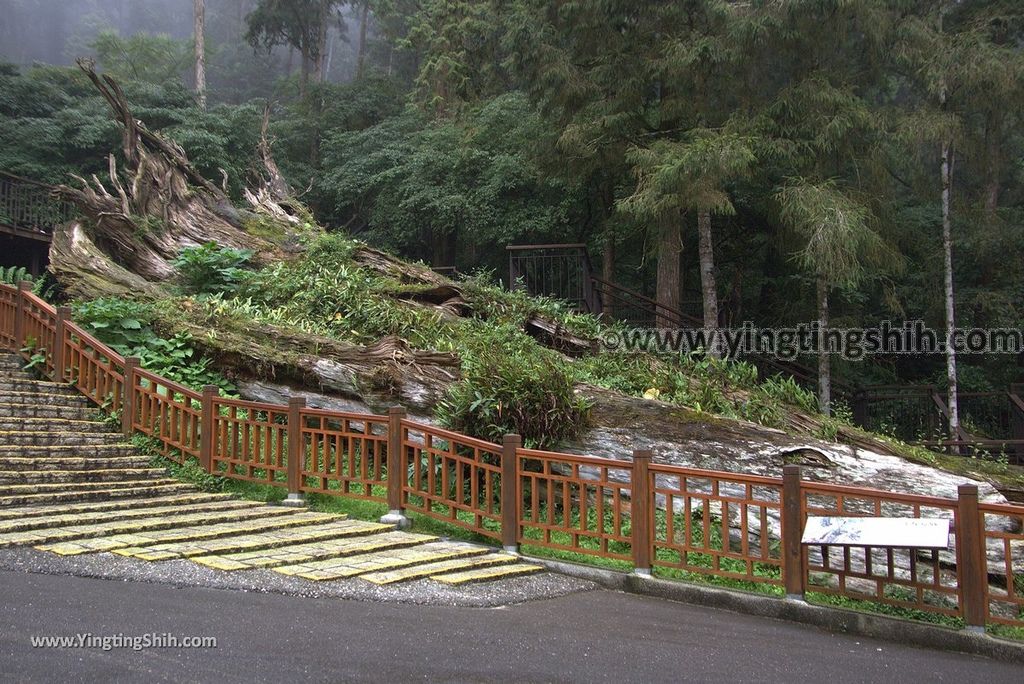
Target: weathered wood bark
[(667, 285), (378, 374), (144, 216), (709, 288)]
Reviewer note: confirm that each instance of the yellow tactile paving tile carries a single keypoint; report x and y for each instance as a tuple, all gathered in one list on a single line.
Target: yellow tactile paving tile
[(262, 523), (181, 518), (487, 574), (352, 566), (304, 553), (440, 567), (22, 512), (56, 519), (261, 542)]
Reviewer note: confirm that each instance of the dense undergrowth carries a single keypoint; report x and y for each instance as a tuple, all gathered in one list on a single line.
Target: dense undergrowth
[(509, 381)]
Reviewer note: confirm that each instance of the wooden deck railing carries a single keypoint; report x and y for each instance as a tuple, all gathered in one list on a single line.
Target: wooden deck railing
[(637, 513), (28, 210)]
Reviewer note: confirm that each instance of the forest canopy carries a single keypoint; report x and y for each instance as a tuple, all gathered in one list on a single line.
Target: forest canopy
[(700, 148)]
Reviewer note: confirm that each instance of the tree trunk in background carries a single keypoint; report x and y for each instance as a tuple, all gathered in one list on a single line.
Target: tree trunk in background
[(708, 286), (824, 359), (608, 271), (993, 145), (321, 52), (361, 54), (947, 250), (199, 33), (667, 289)]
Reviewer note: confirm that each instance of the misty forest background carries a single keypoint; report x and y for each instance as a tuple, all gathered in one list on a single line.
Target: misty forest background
[(761, 161)]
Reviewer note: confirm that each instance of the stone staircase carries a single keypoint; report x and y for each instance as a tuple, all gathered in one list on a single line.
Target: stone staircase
[(70, 485)]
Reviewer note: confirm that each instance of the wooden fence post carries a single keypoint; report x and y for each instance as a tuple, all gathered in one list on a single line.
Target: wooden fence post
[(971, 575), (19, 315), (510, 500), (396, 470), (792, 532), (641, 512), (296, 452), (59, 356), (131, 363), (207, 428)]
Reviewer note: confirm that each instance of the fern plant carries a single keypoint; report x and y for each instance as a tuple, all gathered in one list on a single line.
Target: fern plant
[(42, 286)]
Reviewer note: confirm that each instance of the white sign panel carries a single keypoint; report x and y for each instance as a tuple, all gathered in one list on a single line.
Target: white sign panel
[(925, 533)]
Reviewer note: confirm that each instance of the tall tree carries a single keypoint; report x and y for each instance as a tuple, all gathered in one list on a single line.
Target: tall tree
[(199, 33), (302, 24), (839, 250), (691, 174)]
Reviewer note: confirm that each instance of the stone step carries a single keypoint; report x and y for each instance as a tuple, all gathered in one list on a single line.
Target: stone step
[(82, 451), (267, 543), (438, 568), (27, 477), (45, 398), (266, 522), (16, 384), (108, 530), (59, 438), (353, 566), (15, 410), (71, 463), (112, 491), (191, 498), (63, 518), (487, 574), (316, 551), (9, 424), (73, 487)]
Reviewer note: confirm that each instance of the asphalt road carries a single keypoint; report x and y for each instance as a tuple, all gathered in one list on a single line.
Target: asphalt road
[(588, 637)]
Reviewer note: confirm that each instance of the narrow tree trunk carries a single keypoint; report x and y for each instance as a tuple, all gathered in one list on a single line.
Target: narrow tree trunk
[(199, 16), (321, 52), (824, 359), (708, 286), (667, 287), (947, 249), (304, 80), (361, 55), (608, 271), (993, 145)]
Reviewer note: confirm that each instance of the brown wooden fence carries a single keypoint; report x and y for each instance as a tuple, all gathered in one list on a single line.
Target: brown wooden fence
[(637, 513), (27, 209)]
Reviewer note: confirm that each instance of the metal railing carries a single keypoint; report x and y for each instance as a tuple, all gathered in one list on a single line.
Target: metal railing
[(639, 514)]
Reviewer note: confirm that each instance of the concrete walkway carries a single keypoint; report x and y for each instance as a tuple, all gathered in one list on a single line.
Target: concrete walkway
[(597, 636)]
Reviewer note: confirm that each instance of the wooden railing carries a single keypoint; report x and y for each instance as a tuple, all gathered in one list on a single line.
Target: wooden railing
[(651, 516), (28, 210)]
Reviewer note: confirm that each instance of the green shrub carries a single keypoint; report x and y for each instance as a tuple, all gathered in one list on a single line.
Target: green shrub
[(211, 269), (126, 327), (509, 386)]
